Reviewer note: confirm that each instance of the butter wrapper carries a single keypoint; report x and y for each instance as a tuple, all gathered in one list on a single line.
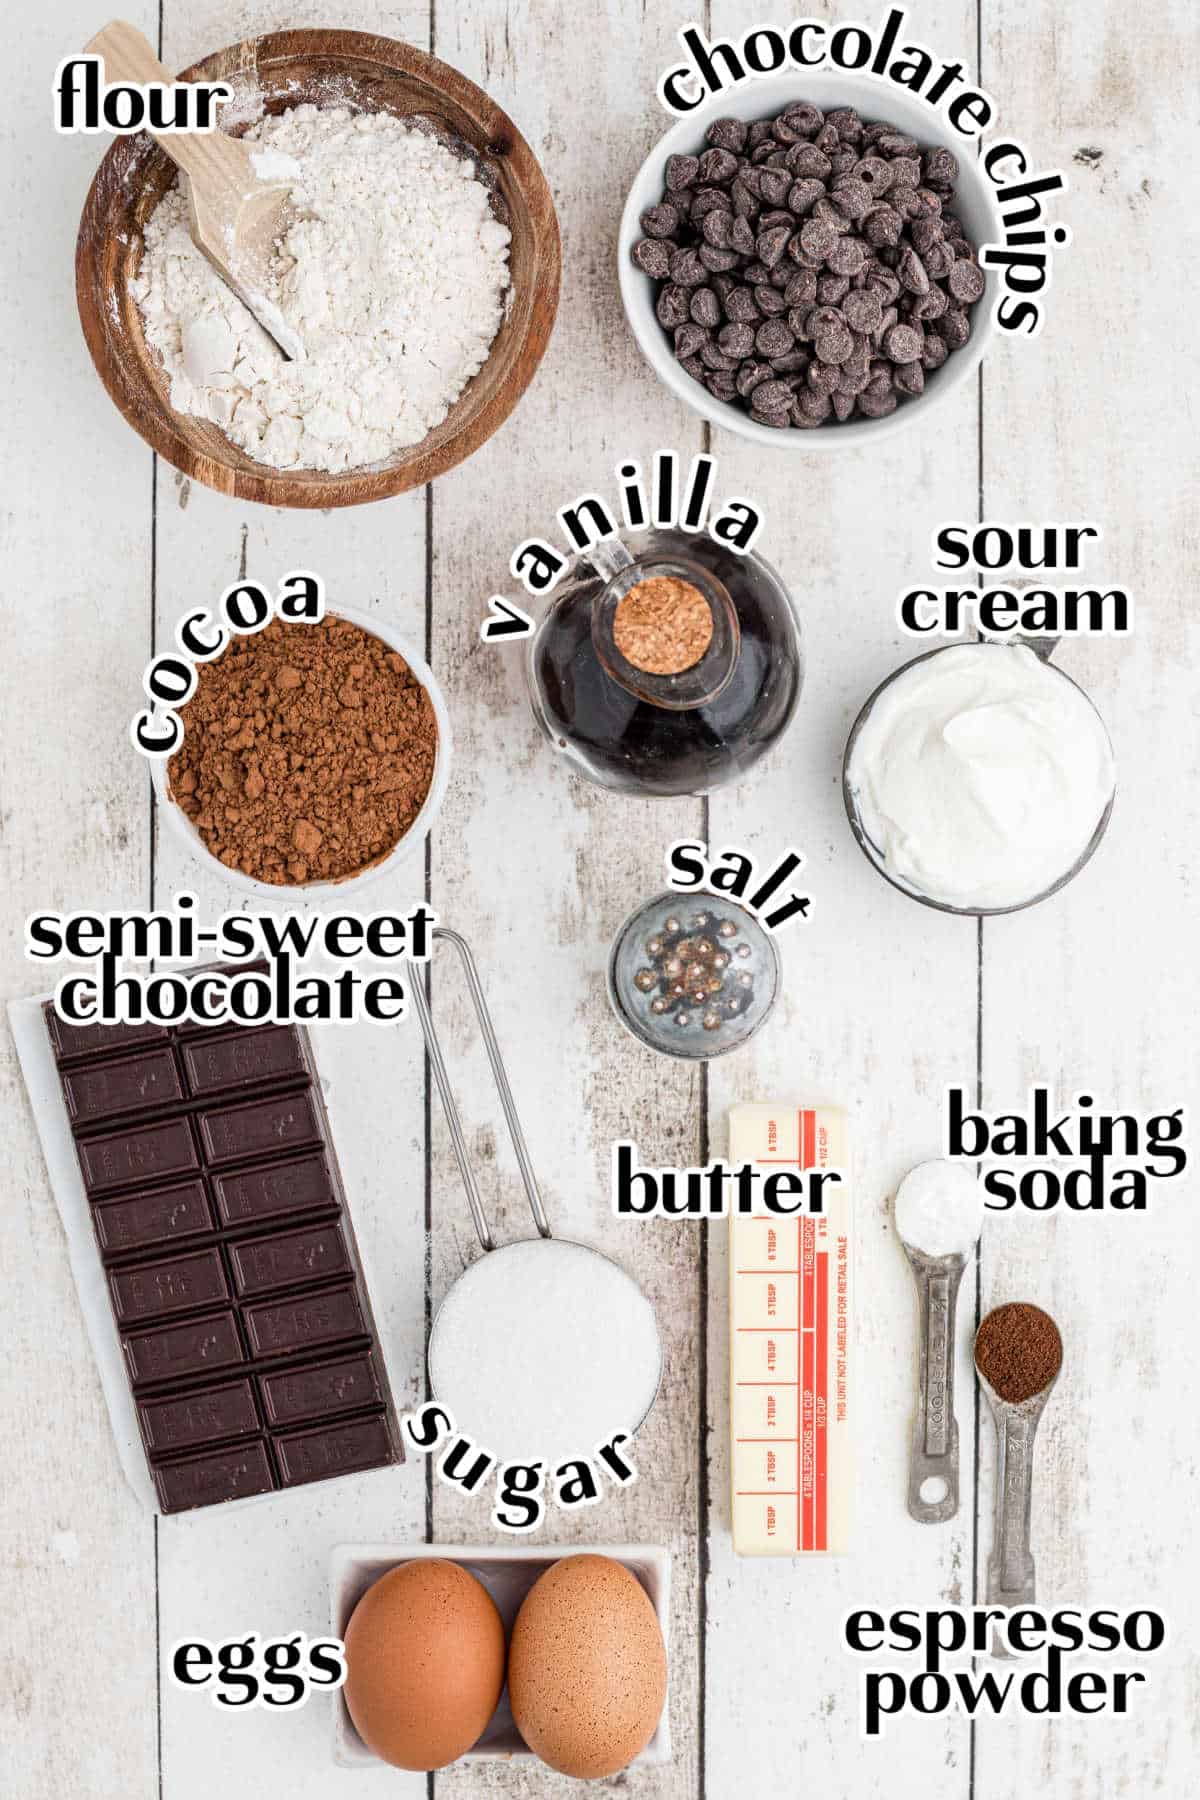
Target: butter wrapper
[(791, 1323)]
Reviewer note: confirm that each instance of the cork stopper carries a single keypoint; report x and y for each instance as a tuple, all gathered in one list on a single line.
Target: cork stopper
[(663, 625)]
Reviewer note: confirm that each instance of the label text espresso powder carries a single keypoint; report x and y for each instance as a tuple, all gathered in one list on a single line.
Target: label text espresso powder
[(308, 753)]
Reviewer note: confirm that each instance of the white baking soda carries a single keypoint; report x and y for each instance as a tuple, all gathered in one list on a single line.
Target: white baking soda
[(543, 1350), (939, 1208)]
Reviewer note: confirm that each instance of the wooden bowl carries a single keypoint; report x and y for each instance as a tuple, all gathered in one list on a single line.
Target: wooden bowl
[(372, 74)]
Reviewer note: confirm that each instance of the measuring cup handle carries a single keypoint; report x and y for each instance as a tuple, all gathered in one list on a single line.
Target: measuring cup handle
[(1011, 1572), (935, 1429), (441, 1075)]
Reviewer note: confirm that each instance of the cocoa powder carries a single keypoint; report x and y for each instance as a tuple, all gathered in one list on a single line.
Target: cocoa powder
[(1018, 1351), (663, 625), (308, 752)]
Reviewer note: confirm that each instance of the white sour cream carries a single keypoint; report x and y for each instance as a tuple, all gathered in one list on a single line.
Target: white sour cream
[(980, 776)]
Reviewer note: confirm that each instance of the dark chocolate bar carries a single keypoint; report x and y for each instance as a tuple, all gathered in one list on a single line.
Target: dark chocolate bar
[(232, 1272)]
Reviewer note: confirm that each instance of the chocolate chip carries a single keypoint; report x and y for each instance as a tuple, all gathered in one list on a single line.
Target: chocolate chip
[(728, 134), (843, 406), (939, 260), (718, 261), (776, 185), (661, 221), (912, 272), (877, 406), (941, 166), (709, 199), (745, 200), (801, 288), (925, 233), (774, 338), (653, 258), (954, 326), (906, 172), (694, 367), (705, 307), (681, 171), (966, 282), (875, 173), (834, 343), (752, 374), (852, 197), (737, 340), (823, 377), (817, 238), (896, 143), (803, 195), (832, 289), (882, 226), (770, 301), (721, 385), (910, 379), (930, 306), (686, 269), (741, 308), (862, 310), (714, 358), (718, 165), (771, 244), (771, 396), (741, 237), (716, 228), (688, 339), (806, 120), (847, 124), (846, 257), (935, 352), (902, 343), (671, 306)]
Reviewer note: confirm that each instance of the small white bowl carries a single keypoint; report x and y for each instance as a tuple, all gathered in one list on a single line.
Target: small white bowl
[(178, 821), (765, 98)]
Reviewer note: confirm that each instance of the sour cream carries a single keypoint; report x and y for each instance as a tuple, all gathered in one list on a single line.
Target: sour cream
[(980, 776)]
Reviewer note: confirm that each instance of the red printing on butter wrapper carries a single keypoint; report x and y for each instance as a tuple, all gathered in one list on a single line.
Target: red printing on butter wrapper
[(791, 1320)]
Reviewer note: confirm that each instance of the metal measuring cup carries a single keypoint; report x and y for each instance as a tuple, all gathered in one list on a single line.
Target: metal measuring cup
[(1011, 1573), (437, 1061), (1043, 648)]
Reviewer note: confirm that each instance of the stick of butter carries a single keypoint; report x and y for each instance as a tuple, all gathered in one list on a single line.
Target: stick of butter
[(791, 1319)]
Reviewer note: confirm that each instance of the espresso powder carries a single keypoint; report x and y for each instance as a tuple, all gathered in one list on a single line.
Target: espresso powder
[(308, 751), (1018, 1351)]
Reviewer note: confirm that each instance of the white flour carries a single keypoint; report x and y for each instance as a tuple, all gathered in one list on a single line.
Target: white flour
[(394, 276)]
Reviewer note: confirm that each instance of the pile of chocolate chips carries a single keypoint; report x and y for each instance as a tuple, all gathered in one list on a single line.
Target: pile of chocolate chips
[(812, 267)]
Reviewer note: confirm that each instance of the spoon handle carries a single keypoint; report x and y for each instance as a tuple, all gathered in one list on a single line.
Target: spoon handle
[(1010, 1565), (935, 1429), (212, 158)]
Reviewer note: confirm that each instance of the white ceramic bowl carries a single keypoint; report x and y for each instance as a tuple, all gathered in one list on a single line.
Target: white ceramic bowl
[(763, 99), (178, 821)]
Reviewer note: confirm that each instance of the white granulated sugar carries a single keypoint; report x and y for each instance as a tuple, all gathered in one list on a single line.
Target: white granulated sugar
[(543, 1350), (393, 274), (939, 1208)]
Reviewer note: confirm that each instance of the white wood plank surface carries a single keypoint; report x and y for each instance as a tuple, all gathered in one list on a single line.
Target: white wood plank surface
[(885, 1002)]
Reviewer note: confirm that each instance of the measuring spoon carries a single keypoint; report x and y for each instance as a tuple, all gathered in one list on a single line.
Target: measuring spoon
[(934, 1456), (1010, 1571)]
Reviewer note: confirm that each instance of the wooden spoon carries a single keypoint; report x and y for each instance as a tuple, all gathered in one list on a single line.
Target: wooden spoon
[(236, 217)]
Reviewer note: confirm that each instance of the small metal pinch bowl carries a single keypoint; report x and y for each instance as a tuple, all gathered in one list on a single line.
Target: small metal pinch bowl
[(1010, 1569), (933, 1463), (507, 1279), (1043, 648)]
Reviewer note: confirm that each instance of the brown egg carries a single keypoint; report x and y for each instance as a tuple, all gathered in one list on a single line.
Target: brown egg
[(587, 1667), (424, 1664)]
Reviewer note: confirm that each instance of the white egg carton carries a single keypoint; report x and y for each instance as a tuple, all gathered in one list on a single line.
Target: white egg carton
[(507, 1572)]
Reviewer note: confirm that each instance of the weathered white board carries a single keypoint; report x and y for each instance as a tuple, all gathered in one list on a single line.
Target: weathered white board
[(885, 1003)]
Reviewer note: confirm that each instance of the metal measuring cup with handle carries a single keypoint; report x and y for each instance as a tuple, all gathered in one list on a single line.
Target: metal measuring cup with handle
[(549, 1301)]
